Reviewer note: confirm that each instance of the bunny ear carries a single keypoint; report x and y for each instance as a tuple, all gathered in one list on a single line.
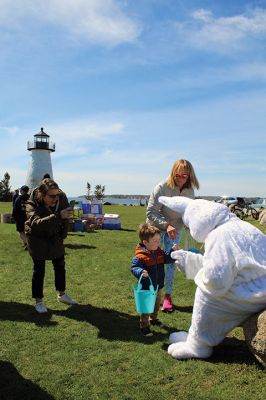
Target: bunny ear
[(176, 203)]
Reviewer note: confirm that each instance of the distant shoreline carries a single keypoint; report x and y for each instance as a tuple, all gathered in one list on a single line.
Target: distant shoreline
[(142, 196), (123, 196), (146, 197)]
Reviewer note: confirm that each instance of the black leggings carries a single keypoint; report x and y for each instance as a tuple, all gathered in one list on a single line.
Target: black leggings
[(39, 272)]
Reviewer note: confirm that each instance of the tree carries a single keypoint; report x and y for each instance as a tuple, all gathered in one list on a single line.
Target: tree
[(5, 188), (99, 192), (88, 195)]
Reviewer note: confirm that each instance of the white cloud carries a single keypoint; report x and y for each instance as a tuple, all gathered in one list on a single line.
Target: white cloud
[(203, 15), (145, 158), (9, 130), (94, 21), (223, 34), (76, 137), (216, 76), (87, 129), (120, 181), (231, 187), (224, 139)]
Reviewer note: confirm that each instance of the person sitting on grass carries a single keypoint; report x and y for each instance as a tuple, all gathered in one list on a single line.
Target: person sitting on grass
[(46, 228), (149, 261)]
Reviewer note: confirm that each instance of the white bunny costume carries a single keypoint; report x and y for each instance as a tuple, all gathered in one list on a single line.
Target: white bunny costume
[(230, 276)]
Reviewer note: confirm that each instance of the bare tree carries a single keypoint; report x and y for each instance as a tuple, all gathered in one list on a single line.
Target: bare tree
[(99, 192), (89, 195)]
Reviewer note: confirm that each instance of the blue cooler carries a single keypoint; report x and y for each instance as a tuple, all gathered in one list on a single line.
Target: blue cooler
[(111, 222)]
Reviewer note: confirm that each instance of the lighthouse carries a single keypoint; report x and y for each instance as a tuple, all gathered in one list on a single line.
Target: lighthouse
[(40, 163)]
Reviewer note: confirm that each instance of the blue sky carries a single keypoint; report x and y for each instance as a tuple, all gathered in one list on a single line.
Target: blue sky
[(124, 88)]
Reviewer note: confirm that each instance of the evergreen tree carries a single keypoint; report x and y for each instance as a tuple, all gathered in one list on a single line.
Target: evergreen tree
[(5, 188)]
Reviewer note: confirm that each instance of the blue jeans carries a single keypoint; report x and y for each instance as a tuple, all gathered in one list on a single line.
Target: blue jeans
[(170, 269)]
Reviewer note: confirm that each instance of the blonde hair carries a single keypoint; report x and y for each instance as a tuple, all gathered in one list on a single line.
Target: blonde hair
[(186, 167), (147, 231)]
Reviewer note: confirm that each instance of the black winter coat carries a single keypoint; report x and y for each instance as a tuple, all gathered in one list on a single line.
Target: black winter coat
[(19, 211), (45, 229)]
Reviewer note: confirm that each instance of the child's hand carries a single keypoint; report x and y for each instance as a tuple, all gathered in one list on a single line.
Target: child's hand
[(175, 247), (145, 273)]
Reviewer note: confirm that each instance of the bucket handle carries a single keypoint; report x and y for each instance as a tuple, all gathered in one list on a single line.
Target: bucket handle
[(140, 284)]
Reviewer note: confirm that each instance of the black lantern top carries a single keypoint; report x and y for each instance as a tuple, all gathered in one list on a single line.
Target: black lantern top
[(41, 142)]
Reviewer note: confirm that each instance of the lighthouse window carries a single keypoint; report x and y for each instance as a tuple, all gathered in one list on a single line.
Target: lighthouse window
[(44, 140)]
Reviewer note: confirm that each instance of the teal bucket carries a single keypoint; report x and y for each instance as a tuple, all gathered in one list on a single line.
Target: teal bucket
[(144, 299), (195, 250)]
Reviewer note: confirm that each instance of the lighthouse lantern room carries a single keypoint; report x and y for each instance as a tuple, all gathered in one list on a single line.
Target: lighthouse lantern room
[(40, 163)]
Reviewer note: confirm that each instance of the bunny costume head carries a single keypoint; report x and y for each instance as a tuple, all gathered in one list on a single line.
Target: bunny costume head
[(230, 276), (200, 216)]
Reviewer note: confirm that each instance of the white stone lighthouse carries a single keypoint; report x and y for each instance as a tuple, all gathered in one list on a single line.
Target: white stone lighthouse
[(40, 163)]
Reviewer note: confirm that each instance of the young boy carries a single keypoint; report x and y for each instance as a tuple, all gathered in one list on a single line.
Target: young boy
[(149, 260)]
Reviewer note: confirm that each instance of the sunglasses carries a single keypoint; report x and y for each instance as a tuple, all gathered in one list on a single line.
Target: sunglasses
[(184, 176), (52, 196)]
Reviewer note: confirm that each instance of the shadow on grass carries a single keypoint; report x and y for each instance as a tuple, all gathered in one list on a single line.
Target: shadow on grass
[(20, 312), (127, 230), (185, 309), (112, 324), (14, 386), (79, 246), (230, 351), (76, 234)]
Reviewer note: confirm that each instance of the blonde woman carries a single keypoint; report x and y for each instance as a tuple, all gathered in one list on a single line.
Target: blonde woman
[(181, 182)]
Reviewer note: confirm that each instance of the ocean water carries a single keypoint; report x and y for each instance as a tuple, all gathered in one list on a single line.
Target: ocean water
[(114, 200)]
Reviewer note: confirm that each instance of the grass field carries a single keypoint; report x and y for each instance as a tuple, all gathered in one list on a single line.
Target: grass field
[(94, 350)]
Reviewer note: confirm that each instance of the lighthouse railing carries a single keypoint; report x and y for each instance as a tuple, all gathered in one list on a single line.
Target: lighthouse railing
[(41, 145)]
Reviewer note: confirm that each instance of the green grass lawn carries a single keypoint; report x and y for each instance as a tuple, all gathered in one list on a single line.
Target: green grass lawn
[(94, 350)]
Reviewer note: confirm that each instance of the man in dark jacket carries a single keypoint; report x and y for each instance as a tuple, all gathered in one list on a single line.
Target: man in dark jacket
[(15, 196), (19, 213)]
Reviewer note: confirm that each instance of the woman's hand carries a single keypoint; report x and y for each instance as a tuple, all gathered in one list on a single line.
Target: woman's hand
[(66, 213), (171, 232), (175, 247)]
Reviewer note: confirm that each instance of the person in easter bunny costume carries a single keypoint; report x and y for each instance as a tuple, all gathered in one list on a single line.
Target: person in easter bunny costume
[(230, 276)]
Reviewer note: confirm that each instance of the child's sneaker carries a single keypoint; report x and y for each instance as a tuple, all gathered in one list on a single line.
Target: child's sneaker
[(167, 304), (146, 332), (156, 322)]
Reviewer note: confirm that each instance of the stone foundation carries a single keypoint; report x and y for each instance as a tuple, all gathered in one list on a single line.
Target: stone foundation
[(255, 334)]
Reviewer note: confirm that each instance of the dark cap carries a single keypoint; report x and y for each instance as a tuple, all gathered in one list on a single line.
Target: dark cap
[(25, 188)]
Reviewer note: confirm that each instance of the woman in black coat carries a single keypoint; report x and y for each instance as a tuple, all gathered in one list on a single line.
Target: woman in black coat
[(46, 228)]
